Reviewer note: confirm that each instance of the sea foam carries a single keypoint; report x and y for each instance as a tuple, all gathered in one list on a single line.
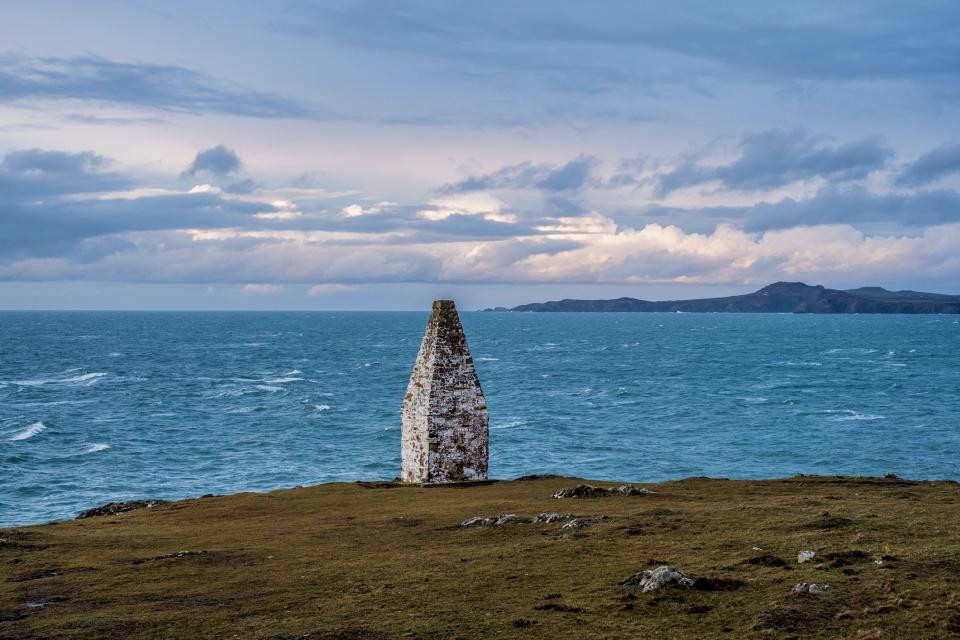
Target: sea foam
[(83, 380), (28, 432)]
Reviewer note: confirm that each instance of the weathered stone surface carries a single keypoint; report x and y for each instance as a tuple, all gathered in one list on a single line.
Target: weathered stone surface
[(806, 556), (662, 576), (812, 588), (495, 521), (549, 518), (445, 424), (113, 508), (570, 521), (590, 491)]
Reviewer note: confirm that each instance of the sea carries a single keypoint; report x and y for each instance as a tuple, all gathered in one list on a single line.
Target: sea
[(104, 406)]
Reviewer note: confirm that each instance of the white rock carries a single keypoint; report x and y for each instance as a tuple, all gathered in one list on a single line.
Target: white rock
[(806, 556), (662, 576), (548, 518), (509, 518), (811, 587), (494, 521)]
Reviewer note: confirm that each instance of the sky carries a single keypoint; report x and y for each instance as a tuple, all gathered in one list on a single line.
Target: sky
[(377, 155)]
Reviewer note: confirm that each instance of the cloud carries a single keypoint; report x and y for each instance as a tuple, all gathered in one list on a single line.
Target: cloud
[(328, 288), (216, 161), (772, 159), (853, 206), (355, 210), (153, 86), (571, 176), (74, 216), (53, 201), (652, 253), (629, 43), (933, 165), (262, 289), (221, 165), (36, 173)]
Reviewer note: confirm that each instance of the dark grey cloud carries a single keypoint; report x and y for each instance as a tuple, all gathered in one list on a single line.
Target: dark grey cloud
[(772, 159), (155, 86), (42, 215), (56, 226), (778, 43), (545, 176), (49, 208), (933, 165), (856, 206), (221, 166), (40, 174), (218, 161)]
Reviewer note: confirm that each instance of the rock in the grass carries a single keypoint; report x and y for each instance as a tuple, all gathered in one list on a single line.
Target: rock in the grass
[(113, 508), (630, 490), (806, 556), (576, 523), (662, 576), (590, 491), (810, 587), (581, 491), (550, 518), (494, 521)]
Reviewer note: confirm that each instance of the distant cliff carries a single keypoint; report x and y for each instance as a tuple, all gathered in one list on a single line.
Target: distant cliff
[(780, 297)]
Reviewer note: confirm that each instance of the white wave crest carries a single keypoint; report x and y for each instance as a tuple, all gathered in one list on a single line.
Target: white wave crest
[(28, 432), (283, 380), (83, 380), (96, 446), (859, 416), (509, 425), (321, 407)]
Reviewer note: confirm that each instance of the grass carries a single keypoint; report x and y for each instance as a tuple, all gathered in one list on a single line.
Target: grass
[(348, 561)]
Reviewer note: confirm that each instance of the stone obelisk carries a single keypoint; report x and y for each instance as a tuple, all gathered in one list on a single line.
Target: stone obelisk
[(445, 425)]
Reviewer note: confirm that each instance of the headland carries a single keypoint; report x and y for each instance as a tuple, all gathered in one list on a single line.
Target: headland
[(502, 559)]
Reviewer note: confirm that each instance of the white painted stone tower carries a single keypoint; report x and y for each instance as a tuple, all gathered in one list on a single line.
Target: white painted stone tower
[(445, 425)]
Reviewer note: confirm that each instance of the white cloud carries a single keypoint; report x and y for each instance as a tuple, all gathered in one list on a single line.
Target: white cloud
[(262, 289), (285, 210), (592, 222), (206, 188), (327, 288), (468, 204), (355, 210), (652, 253)]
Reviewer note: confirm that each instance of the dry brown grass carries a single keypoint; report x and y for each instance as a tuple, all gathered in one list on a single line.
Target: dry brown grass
[(344, 561)]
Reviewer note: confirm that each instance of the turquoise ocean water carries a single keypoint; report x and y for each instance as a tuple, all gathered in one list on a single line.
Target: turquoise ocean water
[(100, 406)]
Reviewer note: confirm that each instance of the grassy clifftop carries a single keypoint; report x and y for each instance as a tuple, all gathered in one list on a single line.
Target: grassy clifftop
[(341, 561)]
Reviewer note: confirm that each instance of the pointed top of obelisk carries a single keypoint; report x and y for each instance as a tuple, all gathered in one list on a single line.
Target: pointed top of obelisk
[(445, 424)]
